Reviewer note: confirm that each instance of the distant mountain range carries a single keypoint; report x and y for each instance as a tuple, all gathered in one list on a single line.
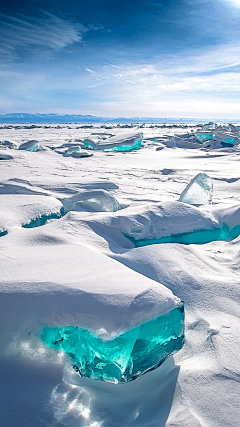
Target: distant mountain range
[(78, 118)]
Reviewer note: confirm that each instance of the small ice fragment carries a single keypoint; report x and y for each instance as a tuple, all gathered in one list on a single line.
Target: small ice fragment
[(32, 145), (199, 191), (93, 201)]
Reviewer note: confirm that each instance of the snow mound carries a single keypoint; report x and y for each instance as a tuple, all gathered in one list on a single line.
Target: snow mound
[(78, 286), (161, 220)]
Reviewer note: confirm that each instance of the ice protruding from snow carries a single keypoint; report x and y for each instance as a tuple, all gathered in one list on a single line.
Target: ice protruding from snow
[(121, 142), (32, 145), (210, 135), (126, 356), (188, 140), (154, 222), (199, 191), (198, 237), (223, 139), (27, 210), (93, 201)]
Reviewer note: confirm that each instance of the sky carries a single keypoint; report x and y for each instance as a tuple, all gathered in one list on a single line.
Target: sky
[(128, 58)]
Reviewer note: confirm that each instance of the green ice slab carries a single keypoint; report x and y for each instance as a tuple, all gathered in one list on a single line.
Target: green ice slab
[(124, 357), (197, 237), (123, 147)]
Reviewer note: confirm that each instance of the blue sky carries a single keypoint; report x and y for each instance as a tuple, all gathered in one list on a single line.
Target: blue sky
[(169, 58)]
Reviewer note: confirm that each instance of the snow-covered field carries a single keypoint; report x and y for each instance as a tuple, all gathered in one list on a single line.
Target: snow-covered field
[(80, 269)]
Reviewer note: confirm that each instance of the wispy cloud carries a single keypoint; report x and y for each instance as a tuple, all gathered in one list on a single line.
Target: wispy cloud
[(90, 71), (45, 31)]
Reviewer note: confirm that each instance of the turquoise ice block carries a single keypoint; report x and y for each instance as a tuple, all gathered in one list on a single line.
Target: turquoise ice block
[(125, 357)]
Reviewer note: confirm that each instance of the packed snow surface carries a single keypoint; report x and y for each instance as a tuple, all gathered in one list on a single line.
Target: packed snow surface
[(69, 259)]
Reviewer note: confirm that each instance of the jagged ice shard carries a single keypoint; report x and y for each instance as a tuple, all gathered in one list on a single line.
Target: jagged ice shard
[(124, 357), (199, 191)]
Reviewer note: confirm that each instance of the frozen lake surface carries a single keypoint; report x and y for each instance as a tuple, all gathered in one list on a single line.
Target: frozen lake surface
[(70, 220)]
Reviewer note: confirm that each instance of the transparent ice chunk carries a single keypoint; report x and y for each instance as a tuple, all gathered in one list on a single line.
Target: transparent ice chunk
[(199, 191), (93, 201), (124, 357)]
